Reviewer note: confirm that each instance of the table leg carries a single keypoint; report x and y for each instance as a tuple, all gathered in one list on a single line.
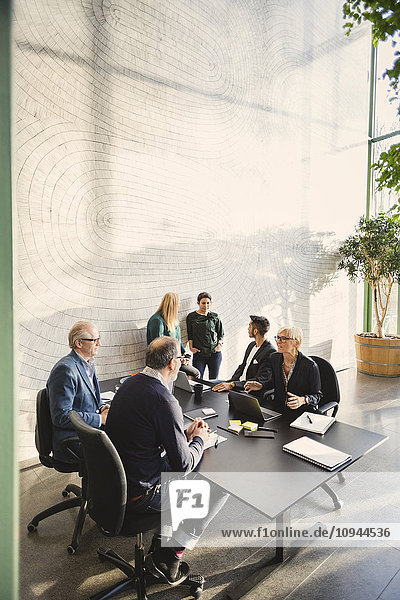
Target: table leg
[(264, 568)]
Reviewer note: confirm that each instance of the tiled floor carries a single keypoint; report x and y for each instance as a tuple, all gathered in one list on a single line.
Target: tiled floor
[(371, 493)]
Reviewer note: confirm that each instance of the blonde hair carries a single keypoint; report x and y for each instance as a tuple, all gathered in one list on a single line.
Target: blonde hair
[(169, 310), (78, 331), (294, 332)]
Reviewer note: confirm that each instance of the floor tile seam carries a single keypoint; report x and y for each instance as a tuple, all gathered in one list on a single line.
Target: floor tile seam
[(298, 586), (387, 585), (256, 551)]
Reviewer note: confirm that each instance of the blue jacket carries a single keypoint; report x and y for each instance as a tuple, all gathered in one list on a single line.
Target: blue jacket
[(69, 388)]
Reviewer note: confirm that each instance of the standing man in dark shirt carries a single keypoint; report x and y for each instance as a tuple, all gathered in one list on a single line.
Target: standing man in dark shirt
[(145, 423), (256, 364)]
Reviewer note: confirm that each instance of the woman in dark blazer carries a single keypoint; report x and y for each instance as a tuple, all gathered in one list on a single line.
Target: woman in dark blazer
[(296, 379)]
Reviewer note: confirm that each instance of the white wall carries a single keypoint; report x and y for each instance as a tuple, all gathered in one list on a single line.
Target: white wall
[(185, 146)]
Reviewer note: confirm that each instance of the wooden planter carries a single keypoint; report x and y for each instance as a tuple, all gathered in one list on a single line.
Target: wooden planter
[(378, 356)]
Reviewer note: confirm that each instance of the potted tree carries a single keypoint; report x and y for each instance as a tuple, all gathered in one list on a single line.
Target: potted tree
[(372, 254)]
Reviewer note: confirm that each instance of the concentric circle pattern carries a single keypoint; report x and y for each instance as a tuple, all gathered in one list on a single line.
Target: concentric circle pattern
[(185, 146)]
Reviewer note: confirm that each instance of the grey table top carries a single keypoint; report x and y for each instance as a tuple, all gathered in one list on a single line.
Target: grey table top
[(258, 471)]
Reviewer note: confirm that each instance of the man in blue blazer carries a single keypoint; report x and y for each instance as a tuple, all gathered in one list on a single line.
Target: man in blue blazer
[(73, 384)]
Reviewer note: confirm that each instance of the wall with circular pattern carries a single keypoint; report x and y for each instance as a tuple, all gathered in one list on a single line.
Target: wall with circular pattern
[(185, 146)]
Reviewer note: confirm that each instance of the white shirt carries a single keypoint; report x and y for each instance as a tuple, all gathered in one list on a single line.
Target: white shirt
[(248, 363)]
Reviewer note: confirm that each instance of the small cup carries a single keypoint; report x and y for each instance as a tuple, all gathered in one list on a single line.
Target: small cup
[(198, 391)]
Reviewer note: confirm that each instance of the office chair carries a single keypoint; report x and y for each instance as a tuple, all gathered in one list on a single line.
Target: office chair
[(329, 387), (44, 445), (330, 402), (108, 496)]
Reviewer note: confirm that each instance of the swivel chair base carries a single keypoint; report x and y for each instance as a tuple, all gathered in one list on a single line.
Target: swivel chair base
[(137, 576), (78, 500)]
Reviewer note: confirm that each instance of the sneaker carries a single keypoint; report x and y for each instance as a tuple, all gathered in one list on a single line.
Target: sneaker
[(165, 566)]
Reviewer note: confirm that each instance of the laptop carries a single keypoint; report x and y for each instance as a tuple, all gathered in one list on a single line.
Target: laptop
[(183, 383), (250, 406)]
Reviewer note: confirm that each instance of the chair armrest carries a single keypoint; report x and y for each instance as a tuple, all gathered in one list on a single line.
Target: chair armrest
[(322, 410), (269, 394)]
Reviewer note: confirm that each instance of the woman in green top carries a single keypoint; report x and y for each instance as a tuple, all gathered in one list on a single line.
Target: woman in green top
[(205, 333), (165, 320)]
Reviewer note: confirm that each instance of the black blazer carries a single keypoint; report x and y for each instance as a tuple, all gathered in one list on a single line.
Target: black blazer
[(305, 381), (260, 367)]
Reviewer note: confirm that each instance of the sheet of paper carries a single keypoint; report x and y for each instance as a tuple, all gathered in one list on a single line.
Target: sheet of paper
[(212, 439)]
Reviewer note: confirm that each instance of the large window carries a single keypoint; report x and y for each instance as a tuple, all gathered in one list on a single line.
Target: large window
[(385, 131)]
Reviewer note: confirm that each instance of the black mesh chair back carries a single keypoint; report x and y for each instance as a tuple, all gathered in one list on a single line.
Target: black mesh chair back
[(329, 386), (44, 436), (44, 445), (44, 429), (105, 476)]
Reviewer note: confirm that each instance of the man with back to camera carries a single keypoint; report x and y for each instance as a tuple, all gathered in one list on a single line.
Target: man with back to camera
[(256, 361), (73, 385), (145, 423)]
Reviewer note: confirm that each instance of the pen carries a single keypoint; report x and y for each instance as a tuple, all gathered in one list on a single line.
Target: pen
[(267, 429), (309, 418), (224, 429)]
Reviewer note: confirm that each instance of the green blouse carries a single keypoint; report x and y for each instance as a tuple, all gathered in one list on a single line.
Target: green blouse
[(156, 327)]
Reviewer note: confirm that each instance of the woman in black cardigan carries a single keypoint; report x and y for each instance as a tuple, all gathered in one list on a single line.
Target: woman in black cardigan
[(297, 383)]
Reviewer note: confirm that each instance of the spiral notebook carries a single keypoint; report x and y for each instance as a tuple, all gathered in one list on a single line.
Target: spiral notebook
[(317, 453)]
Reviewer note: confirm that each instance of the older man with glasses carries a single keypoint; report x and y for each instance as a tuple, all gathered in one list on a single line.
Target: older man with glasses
[(73, 384)]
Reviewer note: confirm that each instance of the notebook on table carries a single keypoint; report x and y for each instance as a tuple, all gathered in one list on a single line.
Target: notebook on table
[(313, 422), (201, 413), (317, 453), (249, 405)]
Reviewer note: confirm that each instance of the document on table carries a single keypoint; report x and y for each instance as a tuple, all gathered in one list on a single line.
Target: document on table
[(313, 422), (214, 438), (108, 396)]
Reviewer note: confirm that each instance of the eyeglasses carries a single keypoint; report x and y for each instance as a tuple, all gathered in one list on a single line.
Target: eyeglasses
[(282, 338), (181, 358), (90, 339)]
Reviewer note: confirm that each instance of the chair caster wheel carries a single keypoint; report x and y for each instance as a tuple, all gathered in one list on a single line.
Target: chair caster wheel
[(197, 585), (65, 493), (31, 527), (338, 504), (196, 592), (71, 549)]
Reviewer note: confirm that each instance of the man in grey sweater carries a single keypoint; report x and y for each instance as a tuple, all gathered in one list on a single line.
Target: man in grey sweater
[(145, 423)]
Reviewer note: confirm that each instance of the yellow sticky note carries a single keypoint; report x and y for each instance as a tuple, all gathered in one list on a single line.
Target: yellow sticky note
[(235, 422), (250, 425)]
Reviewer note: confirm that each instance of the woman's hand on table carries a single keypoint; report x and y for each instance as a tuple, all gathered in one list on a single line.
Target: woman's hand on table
[(223, 386)]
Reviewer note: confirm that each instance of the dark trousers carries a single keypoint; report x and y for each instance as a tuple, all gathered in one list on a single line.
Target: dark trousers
[(213, 363)]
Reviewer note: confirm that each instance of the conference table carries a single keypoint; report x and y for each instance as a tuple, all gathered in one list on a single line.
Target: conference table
[(271, 480)]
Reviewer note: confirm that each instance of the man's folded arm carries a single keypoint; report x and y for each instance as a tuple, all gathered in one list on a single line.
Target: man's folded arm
[(183, 456)]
